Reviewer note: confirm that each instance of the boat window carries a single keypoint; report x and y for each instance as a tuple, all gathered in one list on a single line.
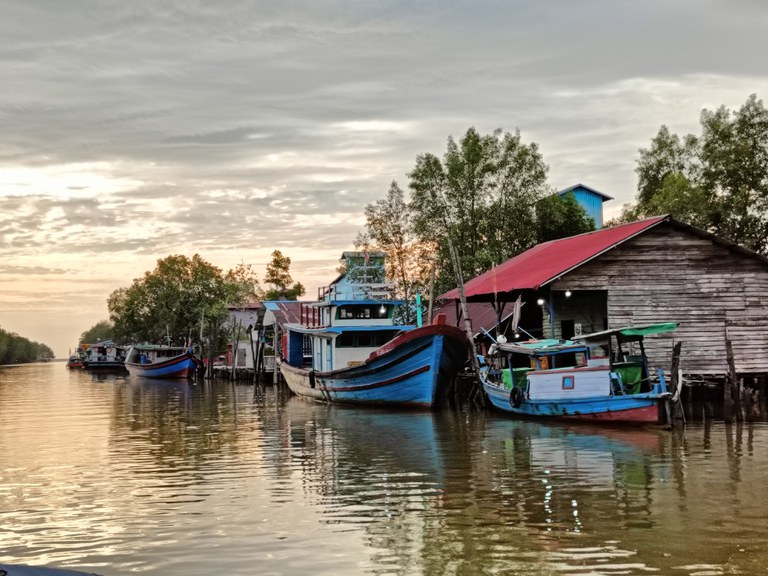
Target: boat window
[(346, 313), (362, 312), (368, 339), (364, 339), (568, 382)]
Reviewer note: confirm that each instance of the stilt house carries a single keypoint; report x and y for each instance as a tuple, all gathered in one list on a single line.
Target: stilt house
[(654, 270)]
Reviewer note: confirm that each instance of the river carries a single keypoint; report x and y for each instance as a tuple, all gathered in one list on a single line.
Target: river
[(116, 475)]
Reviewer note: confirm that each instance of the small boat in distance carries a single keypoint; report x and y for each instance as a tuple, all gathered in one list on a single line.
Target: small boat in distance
[(74, 362), (160, 361), (348, 348), (562, 379)]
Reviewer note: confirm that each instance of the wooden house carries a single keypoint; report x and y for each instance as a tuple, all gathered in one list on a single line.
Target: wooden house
[(654, 270)]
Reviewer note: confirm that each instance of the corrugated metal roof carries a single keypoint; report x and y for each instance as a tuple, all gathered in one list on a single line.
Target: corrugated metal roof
[(285, 311), (546, 262)]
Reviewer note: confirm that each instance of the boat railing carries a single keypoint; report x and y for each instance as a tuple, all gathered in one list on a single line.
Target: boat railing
[(357, 291), (312, 316)]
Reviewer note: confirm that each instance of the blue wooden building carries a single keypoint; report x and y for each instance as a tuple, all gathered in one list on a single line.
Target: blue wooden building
[(589, 199)]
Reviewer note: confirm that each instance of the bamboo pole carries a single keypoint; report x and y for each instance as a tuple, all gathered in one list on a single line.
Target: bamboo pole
[(465, 313)]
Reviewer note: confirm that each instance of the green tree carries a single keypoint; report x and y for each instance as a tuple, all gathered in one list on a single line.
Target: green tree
[(717, 181), (172, 302), (481, 196), (561, 216), (389, 224), (15, 349), (102, 330), (278, 276)]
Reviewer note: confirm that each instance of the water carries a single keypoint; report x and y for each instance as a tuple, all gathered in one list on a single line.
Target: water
[(119, 476)]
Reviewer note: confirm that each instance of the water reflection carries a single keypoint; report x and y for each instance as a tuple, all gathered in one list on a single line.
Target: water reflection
[(118, 475)]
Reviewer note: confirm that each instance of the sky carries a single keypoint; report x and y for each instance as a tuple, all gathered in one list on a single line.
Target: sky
[(134, 130)]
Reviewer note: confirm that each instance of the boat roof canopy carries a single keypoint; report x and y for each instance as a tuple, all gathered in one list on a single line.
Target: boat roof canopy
[(361, 302), (339, 329), (542, 347), (628, 333)]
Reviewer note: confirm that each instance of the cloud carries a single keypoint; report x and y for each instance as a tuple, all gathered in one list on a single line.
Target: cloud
[(135, 130)]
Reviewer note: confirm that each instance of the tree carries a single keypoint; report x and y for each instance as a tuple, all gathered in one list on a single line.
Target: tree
[(170, 302), (278, 276), (389, 224), (481, 196), (102, 330), (561, 216), (717, 181), (15, 349)]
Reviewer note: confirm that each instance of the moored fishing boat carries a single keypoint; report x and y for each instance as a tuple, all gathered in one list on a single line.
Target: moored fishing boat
[(563, 379), (348, 348), (103, 356), (159, 361), (74, 362)]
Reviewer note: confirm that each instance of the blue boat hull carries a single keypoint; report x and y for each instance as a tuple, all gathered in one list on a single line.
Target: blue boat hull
[(631, 408), (407, 371), (182, 366)]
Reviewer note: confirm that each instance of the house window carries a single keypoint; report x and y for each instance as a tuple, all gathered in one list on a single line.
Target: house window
[(568, 382)]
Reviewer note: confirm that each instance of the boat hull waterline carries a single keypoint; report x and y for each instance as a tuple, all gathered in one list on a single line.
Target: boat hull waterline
[(636, 408), (181, 366), (405, 372)]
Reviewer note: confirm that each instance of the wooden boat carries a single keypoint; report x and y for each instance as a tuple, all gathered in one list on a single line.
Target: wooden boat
[(74, 362), (563, 379), (104, 356), (159, 361), (407, 371), (347, 348)]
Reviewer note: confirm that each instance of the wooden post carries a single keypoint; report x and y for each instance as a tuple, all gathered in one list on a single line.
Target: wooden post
[(431, 293), (676, 383), (467, 319), (235, 350), (731, 386)]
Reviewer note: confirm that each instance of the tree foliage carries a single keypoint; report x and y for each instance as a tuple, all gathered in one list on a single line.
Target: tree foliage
[(717, 181), (102, 330), (170, 302), (15, 349), (560, 216), (482, 196), (389, 224), (278, 277)]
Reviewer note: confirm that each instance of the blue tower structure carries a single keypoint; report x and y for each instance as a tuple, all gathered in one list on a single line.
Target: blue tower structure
[(589, 199)]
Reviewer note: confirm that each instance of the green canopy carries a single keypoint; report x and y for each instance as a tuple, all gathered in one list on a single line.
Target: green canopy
[(628, 332)]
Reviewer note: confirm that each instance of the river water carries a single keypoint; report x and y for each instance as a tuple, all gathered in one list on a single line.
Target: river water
[(116, 475)]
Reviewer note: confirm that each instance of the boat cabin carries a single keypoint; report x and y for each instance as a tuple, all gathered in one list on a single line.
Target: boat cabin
[(352, 317), (611, 362)]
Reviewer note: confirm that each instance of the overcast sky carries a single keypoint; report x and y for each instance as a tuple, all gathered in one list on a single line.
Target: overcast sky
[(133, 130)]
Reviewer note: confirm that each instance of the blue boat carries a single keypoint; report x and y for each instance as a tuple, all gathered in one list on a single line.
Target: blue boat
[(564, 379), (347, 348), (158, 361)]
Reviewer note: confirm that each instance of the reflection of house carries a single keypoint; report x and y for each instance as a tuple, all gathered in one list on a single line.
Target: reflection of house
[(653, 270)]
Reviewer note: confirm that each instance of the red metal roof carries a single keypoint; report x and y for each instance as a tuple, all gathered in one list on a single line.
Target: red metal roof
[(545, 262)]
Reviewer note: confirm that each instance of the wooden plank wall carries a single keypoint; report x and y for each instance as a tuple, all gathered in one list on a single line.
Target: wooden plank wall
[(670, 273)]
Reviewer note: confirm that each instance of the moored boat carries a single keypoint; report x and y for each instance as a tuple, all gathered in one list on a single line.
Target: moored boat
[(563, 379), (104, 356), (74, 362), (348, 349), (159, 361)]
